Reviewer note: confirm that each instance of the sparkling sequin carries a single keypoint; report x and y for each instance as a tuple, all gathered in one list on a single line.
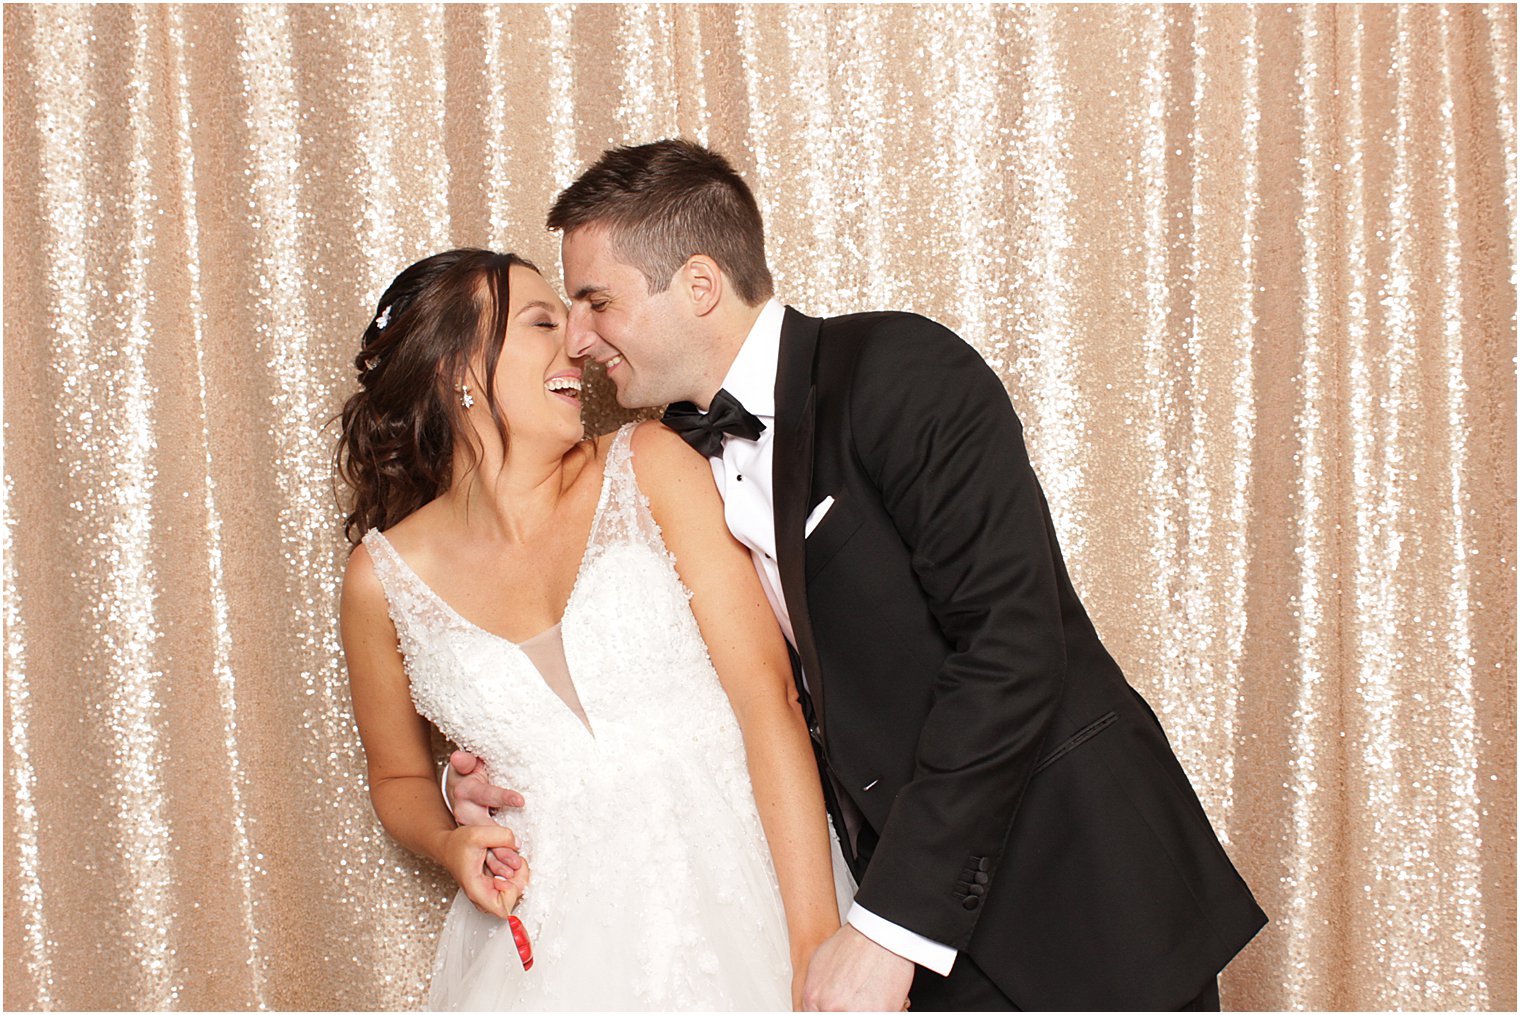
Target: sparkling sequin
[(1311, 726), (1247, 272), (241, 844), (104, 413), (1459, 835), (26, 875)]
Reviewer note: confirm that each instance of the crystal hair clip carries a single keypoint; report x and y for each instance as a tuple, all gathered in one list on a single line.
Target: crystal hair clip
[(384, 317)]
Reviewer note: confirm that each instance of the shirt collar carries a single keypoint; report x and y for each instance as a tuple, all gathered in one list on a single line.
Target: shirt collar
[(751, 378)]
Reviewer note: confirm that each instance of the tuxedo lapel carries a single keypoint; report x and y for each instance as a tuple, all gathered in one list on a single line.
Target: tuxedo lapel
[(792, 481)]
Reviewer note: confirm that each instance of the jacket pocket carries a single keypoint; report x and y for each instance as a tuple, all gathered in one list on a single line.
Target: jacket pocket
[(833, 531), (1076, 740)]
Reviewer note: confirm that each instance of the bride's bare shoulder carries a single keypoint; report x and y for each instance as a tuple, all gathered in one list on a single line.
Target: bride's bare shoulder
[(676, 479), (415, 538), (361, 597), (414, 535), (658, 443), (657, 448), (410, 537)]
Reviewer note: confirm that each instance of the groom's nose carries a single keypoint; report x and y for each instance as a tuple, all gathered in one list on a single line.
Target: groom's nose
[(579, 336)]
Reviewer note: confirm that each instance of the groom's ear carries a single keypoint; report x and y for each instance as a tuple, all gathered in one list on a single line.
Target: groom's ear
[(702, 281)]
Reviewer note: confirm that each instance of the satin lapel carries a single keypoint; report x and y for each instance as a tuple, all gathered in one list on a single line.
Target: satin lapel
[(792, 481)]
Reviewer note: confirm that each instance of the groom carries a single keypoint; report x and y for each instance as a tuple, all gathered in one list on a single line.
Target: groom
[(1022, 834)]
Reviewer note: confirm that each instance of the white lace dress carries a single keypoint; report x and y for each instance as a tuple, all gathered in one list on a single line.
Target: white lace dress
[(652, 884)]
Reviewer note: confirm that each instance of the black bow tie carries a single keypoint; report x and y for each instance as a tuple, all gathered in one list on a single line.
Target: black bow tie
[(705, 430)]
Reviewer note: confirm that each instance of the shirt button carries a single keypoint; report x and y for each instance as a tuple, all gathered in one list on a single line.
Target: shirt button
[(741, 477)]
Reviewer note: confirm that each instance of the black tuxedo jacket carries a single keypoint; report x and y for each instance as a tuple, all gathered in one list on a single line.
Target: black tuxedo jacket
[(1021, 802)]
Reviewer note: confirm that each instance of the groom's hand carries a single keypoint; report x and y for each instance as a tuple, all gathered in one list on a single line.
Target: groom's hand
[(850, 972), (473, 798)]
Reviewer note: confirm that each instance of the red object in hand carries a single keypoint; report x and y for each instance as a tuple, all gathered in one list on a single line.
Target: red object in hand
[(524, 947)]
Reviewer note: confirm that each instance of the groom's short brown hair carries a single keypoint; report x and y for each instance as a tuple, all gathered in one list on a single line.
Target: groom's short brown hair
[(664, 201)]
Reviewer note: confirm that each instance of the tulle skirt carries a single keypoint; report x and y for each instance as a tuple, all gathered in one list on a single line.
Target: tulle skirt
[(713, 938)]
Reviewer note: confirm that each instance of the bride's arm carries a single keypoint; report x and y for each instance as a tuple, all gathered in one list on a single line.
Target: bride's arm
[(398, 752), (749, 653)]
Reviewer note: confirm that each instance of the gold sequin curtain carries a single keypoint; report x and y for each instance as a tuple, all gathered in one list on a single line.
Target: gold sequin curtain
[(1248, 273)]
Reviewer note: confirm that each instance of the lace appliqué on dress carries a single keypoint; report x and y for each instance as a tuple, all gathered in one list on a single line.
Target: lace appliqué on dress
[(652, 883)]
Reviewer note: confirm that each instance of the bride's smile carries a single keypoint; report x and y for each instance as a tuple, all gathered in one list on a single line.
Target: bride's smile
[(538, 385), (567, 385)]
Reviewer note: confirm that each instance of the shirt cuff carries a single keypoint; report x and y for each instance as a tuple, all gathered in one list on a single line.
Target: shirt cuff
[(443, 787), (901, 941)]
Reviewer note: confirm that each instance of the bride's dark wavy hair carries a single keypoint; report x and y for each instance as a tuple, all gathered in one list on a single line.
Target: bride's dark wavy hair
[(400, 430)]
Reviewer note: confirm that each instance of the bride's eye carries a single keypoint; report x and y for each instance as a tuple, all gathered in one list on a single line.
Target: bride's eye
[(551, 325)]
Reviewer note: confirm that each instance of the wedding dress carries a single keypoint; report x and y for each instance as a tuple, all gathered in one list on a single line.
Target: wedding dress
[(652, 885)]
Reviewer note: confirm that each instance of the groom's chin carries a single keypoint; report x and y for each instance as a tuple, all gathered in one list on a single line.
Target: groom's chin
[(630, 400)]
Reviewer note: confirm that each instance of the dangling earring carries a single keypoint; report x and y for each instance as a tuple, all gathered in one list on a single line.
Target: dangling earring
[(465, 398)]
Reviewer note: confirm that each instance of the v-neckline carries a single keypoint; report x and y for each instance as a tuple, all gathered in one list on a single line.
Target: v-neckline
[(580, 570)]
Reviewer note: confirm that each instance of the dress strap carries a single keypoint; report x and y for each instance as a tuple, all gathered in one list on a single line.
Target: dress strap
[(388, 566), (626, 517), (623, 493), (620, 453), (408, 599)]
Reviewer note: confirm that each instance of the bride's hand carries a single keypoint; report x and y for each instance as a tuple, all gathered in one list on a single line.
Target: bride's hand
[(464, 856), (803, 949)]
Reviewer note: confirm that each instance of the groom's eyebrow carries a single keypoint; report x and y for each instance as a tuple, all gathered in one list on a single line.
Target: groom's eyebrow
[(586, 290)]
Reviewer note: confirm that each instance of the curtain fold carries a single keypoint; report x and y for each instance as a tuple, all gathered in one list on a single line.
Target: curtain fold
[(1248, 274)]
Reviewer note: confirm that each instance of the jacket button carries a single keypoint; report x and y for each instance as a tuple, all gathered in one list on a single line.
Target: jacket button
[(982, 864), (981, 877), (975, 889), (971, 902)]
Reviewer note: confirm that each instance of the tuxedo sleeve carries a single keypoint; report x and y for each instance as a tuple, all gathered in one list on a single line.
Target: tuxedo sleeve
[(934, 430)]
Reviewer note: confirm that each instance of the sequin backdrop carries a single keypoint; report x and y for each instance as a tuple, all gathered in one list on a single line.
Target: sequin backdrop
[(1248, 274)]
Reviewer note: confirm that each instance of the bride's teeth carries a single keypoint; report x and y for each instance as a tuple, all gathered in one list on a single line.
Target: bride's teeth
[(570, 384)]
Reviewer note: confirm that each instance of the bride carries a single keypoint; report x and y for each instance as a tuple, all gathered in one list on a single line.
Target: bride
[(576, 613)]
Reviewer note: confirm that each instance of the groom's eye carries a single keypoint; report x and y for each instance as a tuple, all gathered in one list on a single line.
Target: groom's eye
[(598, 306)]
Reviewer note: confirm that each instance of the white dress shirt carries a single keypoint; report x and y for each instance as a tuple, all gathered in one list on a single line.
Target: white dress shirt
[(743, 475)]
